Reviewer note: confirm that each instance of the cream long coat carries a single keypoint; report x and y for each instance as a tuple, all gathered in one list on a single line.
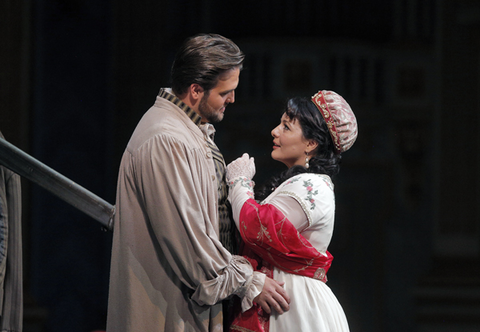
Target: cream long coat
[(168, 267)]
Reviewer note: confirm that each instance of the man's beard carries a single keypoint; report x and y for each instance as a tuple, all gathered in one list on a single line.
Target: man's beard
[(207, 112)]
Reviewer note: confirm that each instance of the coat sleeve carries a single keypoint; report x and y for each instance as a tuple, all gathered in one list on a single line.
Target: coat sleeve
[(175, 190)]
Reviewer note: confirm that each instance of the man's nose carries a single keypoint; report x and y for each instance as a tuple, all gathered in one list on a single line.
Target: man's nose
[(231, 97)]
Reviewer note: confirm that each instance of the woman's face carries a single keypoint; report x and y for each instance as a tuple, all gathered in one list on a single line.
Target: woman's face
[(289, 144)]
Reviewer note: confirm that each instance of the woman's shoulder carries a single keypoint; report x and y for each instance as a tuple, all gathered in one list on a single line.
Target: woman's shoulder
[(314, 192), (309, 180)]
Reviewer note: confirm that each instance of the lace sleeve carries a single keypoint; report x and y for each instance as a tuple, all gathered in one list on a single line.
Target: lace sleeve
[(240, 190)]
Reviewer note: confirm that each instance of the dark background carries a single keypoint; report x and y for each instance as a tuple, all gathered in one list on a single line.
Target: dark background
[(76, 76)]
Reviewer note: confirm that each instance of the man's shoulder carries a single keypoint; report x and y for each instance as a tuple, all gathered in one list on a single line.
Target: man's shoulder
[(166, 125), (163, 117)]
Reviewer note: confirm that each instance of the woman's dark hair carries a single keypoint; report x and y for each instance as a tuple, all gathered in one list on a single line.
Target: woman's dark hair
[(324, 159), (202, 59)]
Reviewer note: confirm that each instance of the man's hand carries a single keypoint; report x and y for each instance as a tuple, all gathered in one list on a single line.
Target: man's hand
[(273, 296)]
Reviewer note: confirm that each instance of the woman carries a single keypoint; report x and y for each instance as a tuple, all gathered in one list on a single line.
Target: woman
[(288, 233)]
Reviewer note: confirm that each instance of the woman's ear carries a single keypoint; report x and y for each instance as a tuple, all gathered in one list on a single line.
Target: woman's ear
[(311, 146)]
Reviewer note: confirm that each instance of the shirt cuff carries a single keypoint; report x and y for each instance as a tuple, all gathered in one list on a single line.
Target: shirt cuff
[(255, 288)]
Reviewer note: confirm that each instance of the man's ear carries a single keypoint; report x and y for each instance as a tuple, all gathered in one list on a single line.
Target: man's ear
[(193, 96), (196, 91)]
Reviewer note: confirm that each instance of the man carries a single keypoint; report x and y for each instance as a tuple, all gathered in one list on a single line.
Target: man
[(169, 270), (11, 271)]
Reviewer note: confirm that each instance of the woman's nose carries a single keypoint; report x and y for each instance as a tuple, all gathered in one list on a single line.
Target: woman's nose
[(274, 131)]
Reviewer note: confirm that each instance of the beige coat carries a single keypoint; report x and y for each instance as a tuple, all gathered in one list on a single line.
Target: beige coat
[(168, 267)]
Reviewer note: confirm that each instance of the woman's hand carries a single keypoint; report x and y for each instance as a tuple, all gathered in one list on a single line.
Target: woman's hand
[(243, 166)]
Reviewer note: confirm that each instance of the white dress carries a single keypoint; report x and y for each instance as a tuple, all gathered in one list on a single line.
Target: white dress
[(308, 201)]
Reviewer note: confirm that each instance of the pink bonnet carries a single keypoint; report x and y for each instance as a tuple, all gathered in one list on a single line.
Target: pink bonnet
[(339, 117)]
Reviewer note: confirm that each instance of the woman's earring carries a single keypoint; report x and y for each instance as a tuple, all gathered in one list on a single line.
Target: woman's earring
[(307, 165)]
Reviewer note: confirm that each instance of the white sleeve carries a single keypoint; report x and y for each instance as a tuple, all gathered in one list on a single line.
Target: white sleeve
[(240, 190), (313, 194), (290, 207)]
